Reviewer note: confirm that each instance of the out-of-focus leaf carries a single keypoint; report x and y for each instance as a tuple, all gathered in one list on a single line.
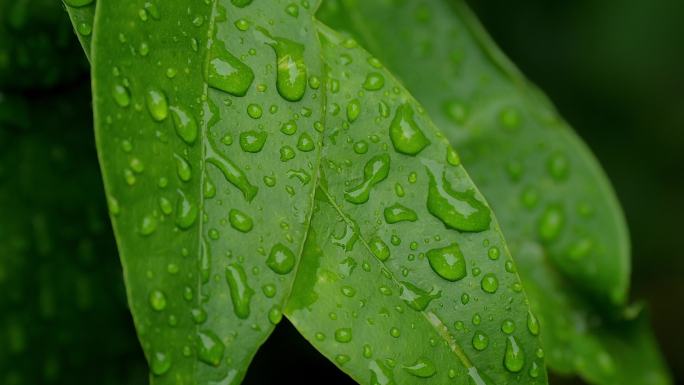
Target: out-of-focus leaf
[(63, 315), (37, 49)]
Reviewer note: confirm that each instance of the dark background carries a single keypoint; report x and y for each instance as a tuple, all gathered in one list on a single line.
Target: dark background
[(614, 69)]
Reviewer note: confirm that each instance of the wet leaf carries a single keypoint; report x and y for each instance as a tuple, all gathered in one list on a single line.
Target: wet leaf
[(556, 206)]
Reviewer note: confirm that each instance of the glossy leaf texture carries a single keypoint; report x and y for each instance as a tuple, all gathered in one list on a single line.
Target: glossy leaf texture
[(502, 348), (557, 208), (63, 311), (209, 171), (405, 276)]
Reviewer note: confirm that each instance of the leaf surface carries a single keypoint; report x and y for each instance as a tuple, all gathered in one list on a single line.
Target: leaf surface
[(414, 281), (406, 160), (210, 201), (557, 209)]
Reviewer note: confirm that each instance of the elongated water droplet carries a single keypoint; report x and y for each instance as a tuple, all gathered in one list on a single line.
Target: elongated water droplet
[(227, 73), (374, 172), (240, 292), (183, 168), (148, 225), (374, 81), (186, 212), (423, 368), (185, 123), (122, 96), (399, 213), (457, 210), (210, 348), (235, 176), (558, 166), (514, 358), (281, 259), (448, 262), (240, 221), (532, 324), (291, 78), (353, 110), (406, 136), (379, 248), (417, 298), (157, 105)]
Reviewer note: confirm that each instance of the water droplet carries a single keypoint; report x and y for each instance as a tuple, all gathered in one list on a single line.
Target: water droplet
[(407, 137), (379, 248), (161, 363), (457, 210), (493, 253), (157, 300), (348, 291), (286, 153), (225, 72), (240, 221), (343, 335), (489, 283), (235, 176), (514, 358), (508, 326), (291, 78), (475, 378), (254, 111), (456, 111), (423, 368), (148, 225), (185, 123), (480, 341), (157, 105), (275, 315), (374, 172), (510, 118), (289, 127), (367, 351), (186, 212), (305, 143), (534, 370), (532, 324), (122, 96), (417, 298), (240, 292), (399, 213), (183, 168), (281, 259), (210, 348), (269, 290), (353, 110), (380, 374), (558, 166), (252, 141), (551, 223), (448, 262), (374, 81)]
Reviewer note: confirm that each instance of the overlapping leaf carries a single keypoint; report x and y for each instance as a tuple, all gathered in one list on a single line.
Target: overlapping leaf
[(557, 208), (206, 277)]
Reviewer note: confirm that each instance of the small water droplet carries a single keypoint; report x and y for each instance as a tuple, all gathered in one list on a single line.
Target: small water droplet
[(240, 221), (157, 105), (532, 324), (343, 335), (122, 96), (374, 81), (281, 259), (157, 300), (551, 223), (480, 341), (161, 363), (353, 110), (148, 225), (185, 123), (489, 283)]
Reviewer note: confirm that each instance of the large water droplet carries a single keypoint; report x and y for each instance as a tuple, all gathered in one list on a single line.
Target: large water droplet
[(225, 72), (291, 78), (235, 176), (374, 172), (374, 81), (457, 210), (210, 348), (448, 262), (252, 141), (406, 136), (281, 259), (417, 298), (240, 292), (240, 221), (514, 358), (399, 213), (157, 105), (423, 368), (185, 123)]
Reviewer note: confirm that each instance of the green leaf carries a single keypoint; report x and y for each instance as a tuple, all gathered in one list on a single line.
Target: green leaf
[(559, 214), (414, 281), (381, 150), (82, 15), (59, 277), (210, 201)]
